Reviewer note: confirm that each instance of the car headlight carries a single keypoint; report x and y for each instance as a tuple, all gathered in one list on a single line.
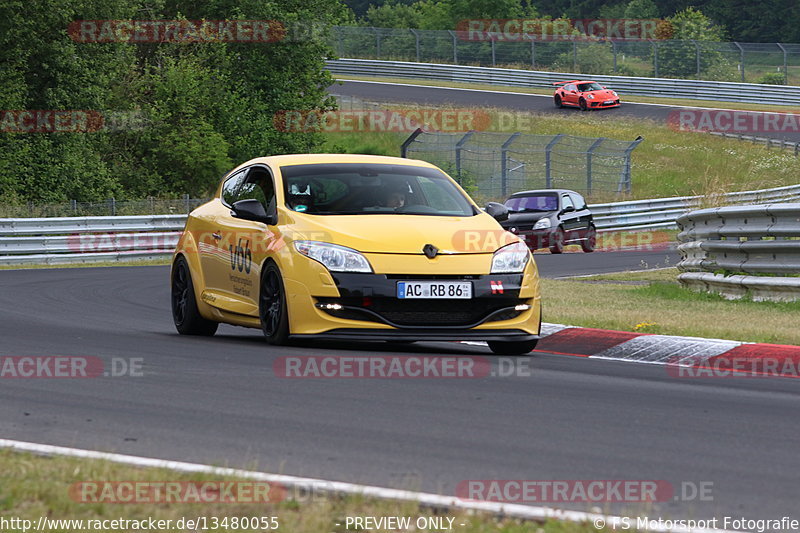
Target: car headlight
[(335, 258), (510, 259), (542, 223), (614, 93), (590, 96)]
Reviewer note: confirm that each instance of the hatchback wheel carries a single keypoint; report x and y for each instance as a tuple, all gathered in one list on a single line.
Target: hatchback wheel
[(590, 242), (557, 241), (272, 306), (187, 318)]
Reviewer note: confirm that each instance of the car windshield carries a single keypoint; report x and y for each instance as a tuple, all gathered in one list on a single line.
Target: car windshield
[(538, 202), (370, 189), (592, 86)]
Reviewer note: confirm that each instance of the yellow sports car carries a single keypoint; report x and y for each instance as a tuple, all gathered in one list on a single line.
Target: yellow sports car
[(354, 247)]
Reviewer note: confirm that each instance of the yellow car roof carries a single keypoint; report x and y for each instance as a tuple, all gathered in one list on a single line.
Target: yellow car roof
[(308, 159)]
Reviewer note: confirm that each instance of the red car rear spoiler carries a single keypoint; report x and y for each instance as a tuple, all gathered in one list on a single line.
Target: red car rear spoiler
[(565, 82)]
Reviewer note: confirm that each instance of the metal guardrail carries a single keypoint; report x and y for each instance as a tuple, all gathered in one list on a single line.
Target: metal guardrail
[(664, 212), (692, 89), (122, 238), (741, 250), (65, 240)]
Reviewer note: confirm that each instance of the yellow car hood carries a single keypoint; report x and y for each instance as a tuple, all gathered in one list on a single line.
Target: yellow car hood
[(403, 234)]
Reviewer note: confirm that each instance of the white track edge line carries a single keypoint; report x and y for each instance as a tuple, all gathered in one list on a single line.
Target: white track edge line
[(513, 510)]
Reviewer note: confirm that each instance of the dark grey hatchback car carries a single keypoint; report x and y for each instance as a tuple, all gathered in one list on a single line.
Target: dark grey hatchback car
[(551, 218)]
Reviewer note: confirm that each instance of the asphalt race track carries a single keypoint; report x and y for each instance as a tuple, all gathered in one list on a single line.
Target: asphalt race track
[(389, 92), (217, 401)]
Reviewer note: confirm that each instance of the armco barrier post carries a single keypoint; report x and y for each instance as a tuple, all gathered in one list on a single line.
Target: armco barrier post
[(459, 145), (589, 154), (504, 163), (548, 163), (407, 142)]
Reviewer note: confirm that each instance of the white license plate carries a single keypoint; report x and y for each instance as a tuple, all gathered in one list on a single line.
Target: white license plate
[(434, 289), (608, 102)]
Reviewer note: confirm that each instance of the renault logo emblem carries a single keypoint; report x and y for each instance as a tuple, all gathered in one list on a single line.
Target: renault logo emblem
[(430, 251)]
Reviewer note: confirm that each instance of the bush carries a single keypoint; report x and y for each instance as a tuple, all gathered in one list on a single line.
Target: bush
[(772, 78)]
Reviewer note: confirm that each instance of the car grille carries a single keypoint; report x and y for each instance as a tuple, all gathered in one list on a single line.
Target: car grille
[(421, 313)]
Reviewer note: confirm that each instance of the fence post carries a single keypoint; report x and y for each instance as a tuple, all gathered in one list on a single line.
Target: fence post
[(339, 41), (455, 46), (533, 53), (186, 205), (589, 154), (574, 56), (112, 206), (459, 145), (494, 57), (407, 142), (741, 57), (416, 42), (548, 177), (785, 64), (74, 206), (614, 51), (625, 179), (377, 43), (655, 58), (697, 55), (504, 163)]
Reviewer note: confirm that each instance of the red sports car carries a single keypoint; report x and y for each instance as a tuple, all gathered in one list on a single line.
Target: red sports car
[(584, 94)]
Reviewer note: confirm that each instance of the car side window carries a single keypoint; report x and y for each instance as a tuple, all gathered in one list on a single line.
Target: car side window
[(569, 87), (578, 200), (231, 188), (258, 185), (566, 202)]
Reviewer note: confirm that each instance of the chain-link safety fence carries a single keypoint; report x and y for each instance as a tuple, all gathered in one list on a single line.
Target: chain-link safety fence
[(111, 206), (494, 165), (774, 63)]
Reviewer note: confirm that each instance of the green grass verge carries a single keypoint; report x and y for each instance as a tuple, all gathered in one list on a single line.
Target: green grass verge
[(660, 305), (32, 486)]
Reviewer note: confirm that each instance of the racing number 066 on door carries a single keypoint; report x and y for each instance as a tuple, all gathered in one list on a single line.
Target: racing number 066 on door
[(354, 247)]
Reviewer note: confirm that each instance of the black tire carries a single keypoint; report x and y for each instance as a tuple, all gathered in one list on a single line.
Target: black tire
[(187, 318), (582, 103), (512, 347), (272, 306), (557, 242), (557, 101), (589, 244)]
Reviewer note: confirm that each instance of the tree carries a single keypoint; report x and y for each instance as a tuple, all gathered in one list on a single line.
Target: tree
[(641, 9)]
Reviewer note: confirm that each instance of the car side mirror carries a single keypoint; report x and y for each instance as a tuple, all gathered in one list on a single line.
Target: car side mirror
[(253, 210), (497, 211), (567, 209)]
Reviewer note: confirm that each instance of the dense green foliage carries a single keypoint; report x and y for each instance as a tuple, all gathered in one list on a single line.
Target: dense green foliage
[(199, 108), (745, 20)]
